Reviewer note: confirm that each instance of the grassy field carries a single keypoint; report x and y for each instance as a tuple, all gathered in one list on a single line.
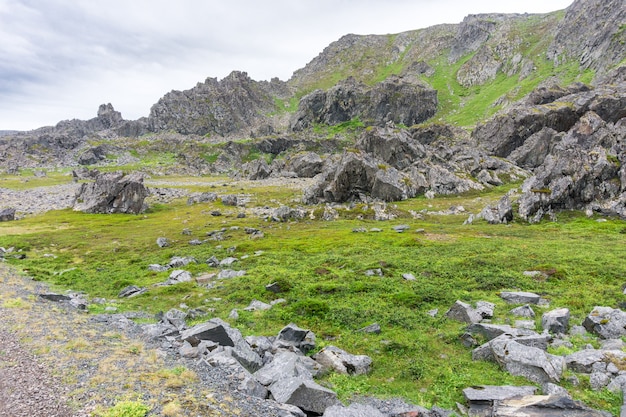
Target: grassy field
[(322, 266)]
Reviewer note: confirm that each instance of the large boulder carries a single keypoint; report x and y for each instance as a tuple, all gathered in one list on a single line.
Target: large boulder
[(304, 393), (306, 165), (532, 363), (7, 214), (112, 193), (606, 322)]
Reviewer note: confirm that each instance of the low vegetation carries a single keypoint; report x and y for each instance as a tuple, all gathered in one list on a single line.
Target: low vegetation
[(321, 267)]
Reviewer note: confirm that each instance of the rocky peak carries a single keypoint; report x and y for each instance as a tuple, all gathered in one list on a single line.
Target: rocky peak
[(108, 116), (233, 104)]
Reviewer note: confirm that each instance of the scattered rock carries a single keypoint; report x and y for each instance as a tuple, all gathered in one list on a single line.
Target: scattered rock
[(520, 297), (332, 357), (7, 215), (162, 242), (303, 393), (131, 291), (229, 273), (372, 328), (256, 305), (532, 363), (606, 322), (112, 193), (178, 276), (523, 311), (556, 321)]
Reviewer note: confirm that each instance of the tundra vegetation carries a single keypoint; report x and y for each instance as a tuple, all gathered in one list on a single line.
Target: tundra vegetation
[(321, 267)]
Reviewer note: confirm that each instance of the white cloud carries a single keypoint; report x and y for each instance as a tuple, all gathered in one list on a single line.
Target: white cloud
[(62, 58)]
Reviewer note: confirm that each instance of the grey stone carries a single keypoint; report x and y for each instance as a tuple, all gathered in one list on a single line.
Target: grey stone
[(401, 228), (550, 388), (215, 330), (206, 197), (523, 311), (251, 387), (333, 358), (55, 297), (303, 393), (158, 268), (532, 363), (229, 273), (612, 344), (543, 406), (178, 276), (374, 272), (180, 261), (464, 313), (618, 384), (112, 193), (408, 277), (520, 297), (491, 331), (301, 338), (256, 305), (353, 410), (229, 200), (372, 328), (599, 380), (228, 261), (496, 393), (176, 318), (556, 321), (286, 365), (260, 344), (7, 214), (606, 322), (131, 291), (498, 214), (162, 242), (584, 360)]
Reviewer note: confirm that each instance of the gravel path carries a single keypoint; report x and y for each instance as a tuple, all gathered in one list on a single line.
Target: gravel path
[(56, 361)]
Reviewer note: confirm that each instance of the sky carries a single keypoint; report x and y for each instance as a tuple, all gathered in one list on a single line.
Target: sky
[(61, 59)]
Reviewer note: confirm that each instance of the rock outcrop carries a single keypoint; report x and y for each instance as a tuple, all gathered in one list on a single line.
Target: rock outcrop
[(232, 105), (391, 164), (112, 193), (398, 100), (574, 145)]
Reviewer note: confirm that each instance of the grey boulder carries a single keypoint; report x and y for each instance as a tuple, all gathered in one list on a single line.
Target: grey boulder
[(532, 363), (303, 393), (353, 410), (340, 361), (606, 322)]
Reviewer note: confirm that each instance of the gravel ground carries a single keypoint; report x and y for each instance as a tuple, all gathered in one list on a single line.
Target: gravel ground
[(59, 361)]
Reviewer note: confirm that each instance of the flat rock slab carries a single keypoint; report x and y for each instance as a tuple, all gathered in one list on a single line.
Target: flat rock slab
[(520, 297), (495, 392), (543, 406)]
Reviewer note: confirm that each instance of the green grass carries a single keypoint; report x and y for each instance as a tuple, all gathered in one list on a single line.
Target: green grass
[(323, 266)]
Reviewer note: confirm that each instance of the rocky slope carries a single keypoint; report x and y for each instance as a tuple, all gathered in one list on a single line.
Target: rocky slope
[(419, 84)]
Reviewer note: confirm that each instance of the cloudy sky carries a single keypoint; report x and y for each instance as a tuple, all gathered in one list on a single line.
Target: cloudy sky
[(60, 59)]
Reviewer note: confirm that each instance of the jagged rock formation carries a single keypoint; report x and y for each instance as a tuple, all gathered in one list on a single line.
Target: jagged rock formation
[(399, 100), (214, 107), (392, 165), (112, 193), (574, 145)]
